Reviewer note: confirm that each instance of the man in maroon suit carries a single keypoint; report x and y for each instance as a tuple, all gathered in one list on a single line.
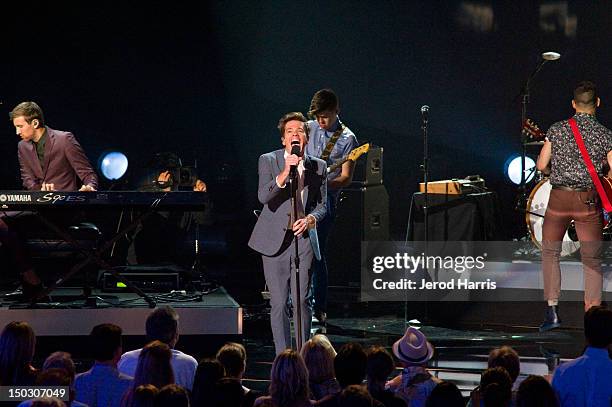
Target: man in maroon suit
[(49, 160)]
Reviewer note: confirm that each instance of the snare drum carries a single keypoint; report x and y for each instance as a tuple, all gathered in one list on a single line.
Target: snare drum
[(536, 208)]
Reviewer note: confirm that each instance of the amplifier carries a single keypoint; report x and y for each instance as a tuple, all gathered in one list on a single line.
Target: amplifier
[(148, 282), (369, 170)]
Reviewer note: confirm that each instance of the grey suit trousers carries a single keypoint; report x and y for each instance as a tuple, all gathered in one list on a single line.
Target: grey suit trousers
[(279, 272)]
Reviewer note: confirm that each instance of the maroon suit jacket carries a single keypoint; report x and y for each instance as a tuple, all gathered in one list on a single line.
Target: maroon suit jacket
[(65, 163)]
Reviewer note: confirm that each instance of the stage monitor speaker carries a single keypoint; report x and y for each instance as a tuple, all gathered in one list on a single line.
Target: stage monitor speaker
[(362, 214), (369, 171)]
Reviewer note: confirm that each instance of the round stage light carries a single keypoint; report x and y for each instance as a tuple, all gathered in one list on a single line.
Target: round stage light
[(512, 168), (113, 165)]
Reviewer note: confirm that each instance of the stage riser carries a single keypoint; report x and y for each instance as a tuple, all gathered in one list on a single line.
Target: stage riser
[(215, 314), (75, 322)]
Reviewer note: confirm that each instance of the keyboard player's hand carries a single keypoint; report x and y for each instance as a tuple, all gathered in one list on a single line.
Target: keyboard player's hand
[(87, 188), (47, 187)]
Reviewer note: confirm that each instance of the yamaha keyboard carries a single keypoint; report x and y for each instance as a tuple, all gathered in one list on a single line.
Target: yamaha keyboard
[(35, 200)]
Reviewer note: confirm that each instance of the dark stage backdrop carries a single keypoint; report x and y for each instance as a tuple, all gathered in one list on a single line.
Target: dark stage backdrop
[(211, 80)]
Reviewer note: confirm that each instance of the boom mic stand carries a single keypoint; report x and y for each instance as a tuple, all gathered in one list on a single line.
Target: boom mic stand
[(546, 56)]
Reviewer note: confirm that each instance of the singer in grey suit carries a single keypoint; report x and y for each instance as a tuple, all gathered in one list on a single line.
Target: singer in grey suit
[(274, 232)]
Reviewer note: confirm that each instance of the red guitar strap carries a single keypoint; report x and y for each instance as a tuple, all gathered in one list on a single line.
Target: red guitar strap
[(587, 160)]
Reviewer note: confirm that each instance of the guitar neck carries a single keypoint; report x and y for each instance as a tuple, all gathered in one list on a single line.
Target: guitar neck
[(353, 156), (335, 166)]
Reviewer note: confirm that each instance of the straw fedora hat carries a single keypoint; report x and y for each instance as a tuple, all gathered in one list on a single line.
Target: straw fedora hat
[(413, 348)]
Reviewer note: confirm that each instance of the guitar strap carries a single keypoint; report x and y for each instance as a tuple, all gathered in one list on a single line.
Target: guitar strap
[(589, 164), (332, 141)]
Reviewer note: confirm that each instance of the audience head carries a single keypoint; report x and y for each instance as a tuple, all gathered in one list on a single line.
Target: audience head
[(228, 393), (288, 379), (350, 364), (172, 395), (598, 327), (144, 396), (106, 343), (53, 377), (17, 345), (355, 395), (318, 354), (56, 377), (413, 349), (61, 360), (380, 364), (233, 358), (445, 394), (535, 391), (209, 371), (154, 365), (496, 387), (162, 325), (507, 358)]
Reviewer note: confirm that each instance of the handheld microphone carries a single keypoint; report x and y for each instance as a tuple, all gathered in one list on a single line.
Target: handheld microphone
[(425, 112), (295, 150)]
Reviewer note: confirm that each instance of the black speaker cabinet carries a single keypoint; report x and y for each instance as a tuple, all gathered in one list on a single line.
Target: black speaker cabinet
[(369, 171), (362, 214)]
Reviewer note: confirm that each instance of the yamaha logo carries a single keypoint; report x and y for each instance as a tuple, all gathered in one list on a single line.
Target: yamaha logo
[(15, 198)]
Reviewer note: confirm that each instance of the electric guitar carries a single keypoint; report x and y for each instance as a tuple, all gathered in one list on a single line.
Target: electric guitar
[(532, 132), (352, 156)]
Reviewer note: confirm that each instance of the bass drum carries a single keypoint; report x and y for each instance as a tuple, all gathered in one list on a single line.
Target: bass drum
[(536, 208)]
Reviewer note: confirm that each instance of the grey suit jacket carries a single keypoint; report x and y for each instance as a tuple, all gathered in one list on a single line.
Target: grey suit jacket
[(65, 163), (271, 227)]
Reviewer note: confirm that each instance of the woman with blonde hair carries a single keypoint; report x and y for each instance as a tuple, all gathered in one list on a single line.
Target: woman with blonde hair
[(318, 354), (288, 382)]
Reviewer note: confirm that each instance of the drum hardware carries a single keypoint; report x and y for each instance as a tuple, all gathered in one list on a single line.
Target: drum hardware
[(534, 217), (571, 231)]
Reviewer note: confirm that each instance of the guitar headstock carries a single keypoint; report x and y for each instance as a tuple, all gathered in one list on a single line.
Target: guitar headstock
[(357, 152), (531, 131)]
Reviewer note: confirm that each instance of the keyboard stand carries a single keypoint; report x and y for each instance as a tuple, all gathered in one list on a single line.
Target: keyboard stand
[(95, 255)]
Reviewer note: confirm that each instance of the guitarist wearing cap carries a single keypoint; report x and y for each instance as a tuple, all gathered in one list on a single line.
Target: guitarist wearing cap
[(576, 151), (331, 141)]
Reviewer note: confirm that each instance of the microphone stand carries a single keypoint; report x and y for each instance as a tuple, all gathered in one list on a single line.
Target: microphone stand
[(425, 168), (293, 190), (522, 199)]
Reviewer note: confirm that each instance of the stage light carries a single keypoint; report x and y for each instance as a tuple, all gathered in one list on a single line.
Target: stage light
[(113, 165), (512, 169)]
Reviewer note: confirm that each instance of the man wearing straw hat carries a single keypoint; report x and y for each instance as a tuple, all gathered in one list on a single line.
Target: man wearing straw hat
[(415, 383)]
